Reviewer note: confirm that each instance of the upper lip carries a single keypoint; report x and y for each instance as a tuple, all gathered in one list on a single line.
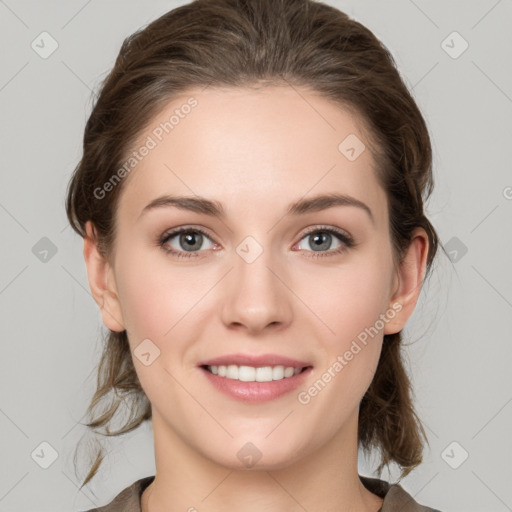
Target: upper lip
[(254, 360)]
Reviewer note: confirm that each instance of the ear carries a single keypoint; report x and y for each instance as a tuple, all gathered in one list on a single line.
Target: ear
[(102, 282), (410, 278)]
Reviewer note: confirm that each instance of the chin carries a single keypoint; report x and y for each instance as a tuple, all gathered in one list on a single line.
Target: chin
[(255, 454)]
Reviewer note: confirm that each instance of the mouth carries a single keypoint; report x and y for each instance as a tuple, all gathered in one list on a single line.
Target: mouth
[(255, 379), (255, 373)]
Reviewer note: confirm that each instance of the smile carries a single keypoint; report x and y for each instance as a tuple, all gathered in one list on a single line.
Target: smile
[(254, 374), (274, 381)]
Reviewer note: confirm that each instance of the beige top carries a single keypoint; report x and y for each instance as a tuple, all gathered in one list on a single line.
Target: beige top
[(395, 498)]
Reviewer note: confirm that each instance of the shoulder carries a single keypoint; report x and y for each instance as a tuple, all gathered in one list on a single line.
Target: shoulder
[(395, 497), (128, 500)]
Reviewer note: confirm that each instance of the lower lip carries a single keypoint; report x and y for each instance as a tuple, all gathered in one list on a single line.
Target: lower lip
[(256, 392)]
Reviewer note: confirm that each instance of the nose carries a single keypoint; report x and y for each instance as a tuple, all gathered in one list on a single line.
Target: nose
[(256, 296)]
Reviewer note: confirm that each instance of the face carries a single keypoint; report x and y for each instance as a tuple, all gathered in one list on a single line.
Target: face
[(252, 281)]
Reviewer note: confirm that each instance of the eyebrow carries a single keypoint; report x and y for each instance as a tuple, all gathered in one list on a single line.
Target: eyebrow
[(213, 208)]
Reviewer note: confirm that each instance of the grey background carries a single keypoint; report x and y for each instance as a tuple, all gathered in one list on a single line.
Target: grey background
[(460, 334)]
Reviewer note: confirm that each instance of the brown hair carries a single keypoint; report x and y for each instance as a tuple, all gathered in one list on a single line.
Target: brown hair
[(237, 43)]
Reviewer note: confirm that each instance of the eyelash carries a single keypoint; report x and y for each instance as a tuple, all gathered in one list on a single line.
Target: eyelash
[(346, 240)]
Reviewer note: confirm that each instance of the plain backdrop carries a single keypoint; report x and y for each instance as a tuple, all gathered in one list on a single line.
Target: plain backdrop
[(455, 57)]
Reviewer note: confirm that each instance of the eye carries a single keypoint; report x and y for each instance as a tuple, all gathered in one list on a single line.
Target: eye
[(187, 240), (320, 239)]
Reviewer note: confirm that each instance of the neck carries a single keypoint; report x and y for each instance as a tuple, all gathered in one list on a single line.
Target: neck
[(327, 479)]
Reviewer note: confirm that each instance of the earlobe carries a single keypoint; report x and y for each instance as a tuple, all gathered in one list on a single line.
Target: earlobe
[(102, 282), (410, 279)]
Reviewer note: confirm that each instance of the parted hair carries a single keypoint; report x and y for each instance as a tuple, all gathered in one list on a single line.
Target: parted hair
[(244, 43)]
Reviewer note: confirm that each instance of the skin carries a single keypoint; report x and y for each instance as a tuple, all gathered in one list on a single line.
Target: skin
[(256, 152)]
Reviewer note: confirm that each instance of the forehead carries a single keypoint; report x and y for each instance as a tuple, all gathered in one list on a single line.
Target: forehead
[(252, 150)]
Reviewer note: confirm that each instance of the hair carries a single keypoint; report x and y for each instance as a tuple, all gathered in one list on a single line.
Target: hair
[(244, 43)]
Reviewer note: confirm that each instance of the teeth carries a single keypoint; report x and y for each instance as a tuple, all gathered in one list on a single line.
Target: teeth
[(252, 374)]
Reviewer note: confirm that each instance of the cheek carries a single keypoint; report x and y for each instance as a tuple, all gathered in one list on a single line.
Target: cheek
[(157, 303), (354, 298), (143, 300), (152, 294), (349, 298)]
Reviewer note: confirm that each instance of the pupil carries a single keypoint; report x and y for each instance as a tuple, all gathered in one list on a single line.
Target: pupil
[(324, 239), (189, 239)]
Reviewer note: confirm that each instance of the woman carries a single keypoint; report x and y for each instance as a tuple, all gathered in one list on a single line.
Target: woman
[(251, 202)]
